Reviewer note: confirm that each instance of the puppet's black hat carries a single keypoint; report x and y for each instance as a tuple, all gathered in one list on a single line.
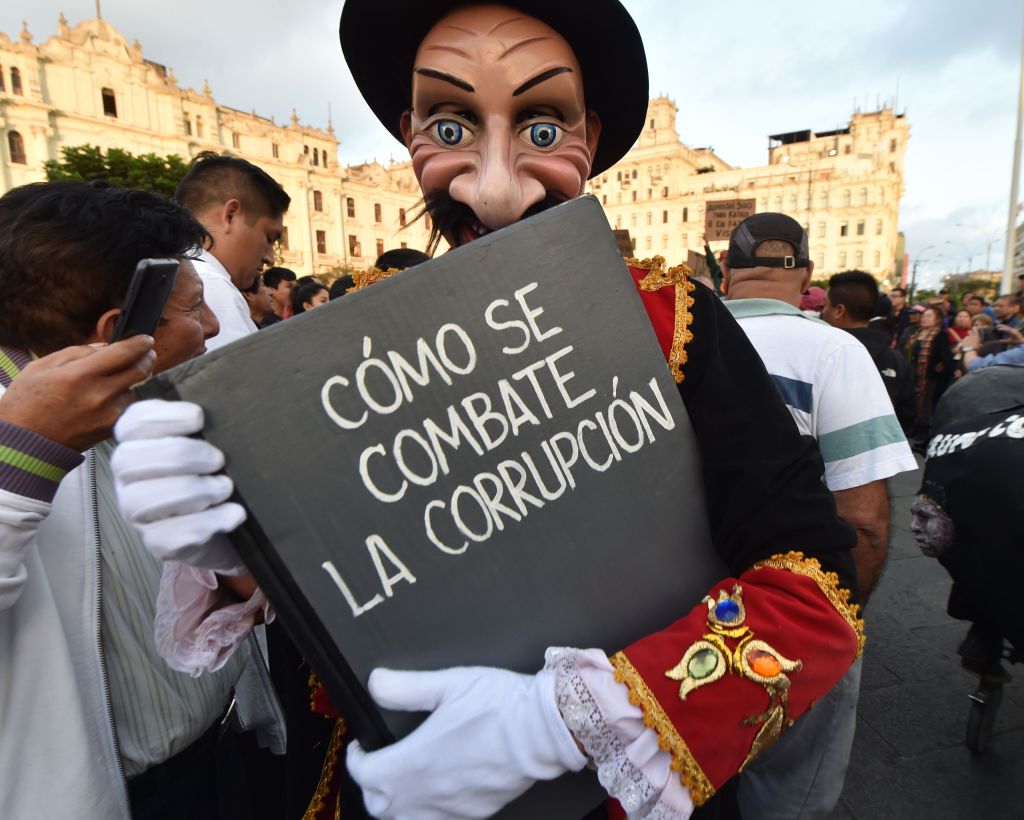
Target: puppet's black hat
[(380, 39)]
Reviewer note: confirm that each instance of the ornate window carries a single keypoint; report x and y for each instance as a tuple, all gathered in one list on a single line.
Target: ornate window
[(318, 201), (109, 102), (16, 82), (16, 145), (321, 241), (350, 207)]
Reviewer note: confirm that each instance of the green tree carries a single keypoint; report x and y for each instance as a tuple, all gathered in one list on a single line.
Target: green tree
[(118, 167)]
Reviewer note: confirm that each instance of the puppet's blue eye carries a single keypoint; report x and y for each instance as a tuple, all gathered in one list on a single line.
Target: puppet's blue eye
[(448, 132), (544, 134)]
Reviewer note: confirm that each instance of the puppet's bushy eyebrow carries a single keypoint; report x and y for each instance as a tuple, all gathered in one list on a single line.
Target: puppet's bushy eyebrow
[(448, 78), (547, 75)]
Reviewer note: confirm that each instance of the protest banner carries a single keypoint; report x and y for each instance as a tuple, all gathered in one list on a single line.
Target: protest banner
[(463, 464), (722, 216)]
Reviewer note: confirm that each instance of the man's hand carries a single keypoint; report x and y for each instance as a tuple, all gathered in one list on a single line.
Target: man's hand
[(866, 508), (972, 339), (491, 735), (1011, 336), (74, 396), (169, 489)]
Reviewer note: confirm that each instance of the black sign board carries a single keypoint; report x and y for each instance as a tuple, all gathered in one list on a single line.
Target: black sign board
[(464, 464)]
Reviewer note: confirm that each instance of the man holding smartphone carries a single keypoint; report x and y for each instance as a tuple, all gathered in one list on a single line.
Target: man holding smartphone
[(95, 724), (242, 209)]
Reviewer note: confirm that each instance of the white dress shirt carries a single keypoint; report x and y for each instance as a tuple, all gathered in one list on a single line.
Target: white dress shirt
[(225, 300)]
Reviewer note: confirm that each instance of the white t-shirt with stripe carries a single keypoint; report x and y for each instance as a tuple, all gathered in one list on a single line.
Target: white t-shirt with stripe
[(832, 389)]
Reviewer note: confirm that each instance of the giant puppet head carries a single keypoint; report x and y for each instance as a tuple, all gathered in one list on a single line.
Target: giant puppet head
[(505, 109)]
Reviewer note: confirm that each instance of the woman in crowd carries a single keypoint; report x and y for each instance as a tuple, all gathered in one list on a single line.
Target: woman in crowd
[(308, 295), (931, 357), (960, 327)]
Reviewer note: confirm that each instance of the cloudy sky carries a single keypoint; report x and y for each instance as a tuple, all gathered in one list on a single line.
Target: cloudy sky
[(738, 71)]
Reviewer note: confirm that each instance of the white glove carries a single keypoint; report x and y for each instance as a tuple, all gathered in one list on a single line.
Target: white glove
[(166, 490), (491, 735)]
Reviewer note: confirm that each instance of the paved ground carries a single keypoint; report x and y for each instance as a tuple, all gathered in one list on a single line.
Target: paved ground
[(909, 760)]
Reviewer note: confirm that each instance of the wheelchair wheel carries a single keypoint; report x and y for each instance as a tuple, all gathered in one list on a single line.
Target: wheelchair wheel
[(982, 717)]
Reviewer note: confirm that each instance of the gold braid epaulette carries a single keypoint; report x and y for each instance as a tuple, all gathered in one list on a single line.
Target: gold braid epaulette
[(669, 739), (678, 277), (326, 785), (828, 583), (370, 276)]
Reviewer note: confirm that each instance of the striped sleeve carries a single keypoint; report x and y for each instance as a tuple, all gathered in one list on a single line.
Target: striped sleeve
[(32, 465), (857, 430)]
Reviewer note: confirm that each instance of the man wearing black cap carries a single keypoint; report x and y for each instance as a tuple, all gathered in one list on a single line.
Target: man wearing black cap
[(834, 392), (505, 111)]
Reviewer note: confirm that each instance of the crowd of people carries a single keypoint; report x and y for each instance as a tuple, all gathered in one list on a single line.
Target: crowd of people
[(941, 339), (144, 674)]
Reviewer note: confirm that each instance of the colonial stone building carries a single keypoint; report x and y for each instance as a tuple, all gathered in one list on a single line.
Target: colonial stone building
[(844, 186), (89, 85)]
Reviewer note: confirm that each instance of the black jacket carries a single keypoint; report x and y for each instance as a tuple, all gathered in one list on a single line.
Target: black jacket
[(894, 369)]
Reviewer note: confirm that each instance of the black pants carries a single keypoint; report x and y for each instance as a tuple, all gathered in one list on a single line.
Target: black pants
[(206, 781)]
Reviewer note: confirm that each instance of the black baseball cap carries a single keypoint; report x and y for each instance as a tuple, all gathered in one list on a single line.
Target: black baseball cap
[(767, 227)]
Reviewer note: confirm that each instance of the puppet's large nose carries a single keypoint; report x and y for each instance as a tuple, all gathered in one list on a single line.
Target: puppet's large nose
[(497, 193)]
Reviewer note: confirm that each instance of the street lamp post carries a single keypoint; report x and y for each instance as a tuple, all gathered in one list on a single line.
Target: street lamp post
[(913, 271)]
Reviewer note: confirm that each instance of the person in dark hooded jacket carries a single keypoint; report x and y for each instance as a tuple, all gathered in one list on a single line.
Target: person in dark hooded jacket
[(849, 304)]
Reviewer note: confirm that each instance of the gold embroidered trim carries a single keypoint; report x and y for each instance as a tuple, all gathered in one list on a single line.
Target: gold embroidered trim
[(744, 659), (828, 583), (669, 739), (370, 276), (324, 787), (658, 277)]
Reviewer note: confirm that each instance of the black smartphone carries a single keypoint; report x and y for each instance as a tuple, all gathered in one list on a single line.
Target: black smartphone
[(147, 294)]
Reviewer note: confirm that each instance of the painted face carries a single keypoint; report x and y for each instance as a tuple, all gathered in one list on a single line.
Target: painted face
[(187, 321), (498, 121), (932, 528)]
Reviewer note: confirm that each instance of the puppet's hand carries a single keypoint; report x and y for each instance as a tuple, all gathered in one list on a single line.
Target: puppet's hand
[(167, 490), (491, 735)]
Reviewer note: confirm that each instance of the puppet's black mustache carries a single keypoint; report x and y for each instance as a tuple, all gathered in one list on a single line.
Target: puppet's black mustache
[(448, 215)]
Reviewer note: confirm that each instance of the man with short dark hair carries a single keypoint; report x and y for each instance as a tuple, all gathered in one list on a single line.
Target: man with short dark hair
[(900, 310), (242, 209), (261, 307), (95, 724), (281, 282), (1008, 310), (849, 305)]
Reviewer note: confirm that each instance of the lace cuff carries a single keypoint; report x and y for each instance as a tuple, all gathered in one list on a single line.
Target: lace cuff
[(631, 766), (199, 624)]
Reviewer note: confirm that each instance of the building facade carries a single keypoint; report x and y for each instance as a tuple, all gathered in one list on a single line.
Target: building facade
[(844, 186), (89, 85)]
